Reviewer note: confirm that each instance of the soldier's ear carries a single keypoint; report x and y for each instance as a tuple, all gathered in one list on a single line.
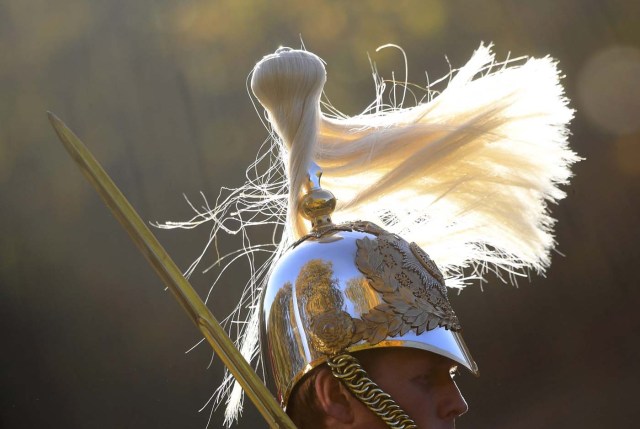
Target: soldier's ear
[(336, 402)]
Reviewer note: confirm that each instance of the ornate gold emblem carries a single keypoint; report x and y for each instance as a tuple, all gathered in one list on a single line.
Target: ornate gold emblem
[(331, 331), (427, 263), (329, 327), (411, 286)]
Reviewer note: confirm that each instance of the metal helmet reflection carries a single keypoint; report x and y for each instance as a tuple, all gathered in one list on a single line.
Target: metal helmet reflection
[(351, 287)]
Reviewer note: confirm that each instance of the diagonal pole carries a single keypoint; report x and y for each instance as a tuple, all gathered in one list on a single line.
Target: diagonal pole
[(172, 277)]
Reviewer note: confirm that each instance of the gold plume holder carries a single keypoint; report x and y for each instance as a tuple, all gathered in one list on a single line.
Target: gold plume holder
[(317, 204), (172, 277)]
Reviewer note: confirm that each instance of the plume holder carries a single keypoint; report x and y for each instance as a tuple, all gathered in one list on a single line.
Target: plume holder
[(317, 204)]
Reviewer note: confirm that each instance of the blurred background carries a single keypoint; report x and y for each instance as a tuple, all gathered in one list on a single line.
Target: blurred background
[(157, 90)]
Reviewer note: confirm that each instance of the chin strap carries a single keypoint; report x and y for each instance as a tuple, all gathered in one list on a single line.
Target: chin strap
[(347, 369)]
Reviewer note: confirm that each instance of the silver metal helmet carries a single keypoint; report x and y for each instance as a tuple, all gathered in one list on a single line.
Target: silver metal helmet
[(350, 287)]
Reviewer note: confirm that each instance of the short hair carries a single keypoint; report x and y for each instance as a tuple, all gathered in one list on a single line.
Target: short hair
[(303, 406)]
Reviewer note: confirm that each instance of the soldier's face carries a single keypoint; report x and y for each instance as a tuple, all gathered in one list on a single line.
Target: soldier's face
[(420, 382)]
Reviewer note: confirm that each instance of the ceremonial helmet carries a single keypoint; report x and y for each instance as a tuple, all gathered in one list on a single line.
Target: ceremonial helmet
[(466, 175), (349, 287)]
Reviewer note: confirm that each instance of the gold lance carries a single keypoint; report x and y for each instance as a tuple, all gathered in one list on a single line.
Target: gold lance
[(172, 277)]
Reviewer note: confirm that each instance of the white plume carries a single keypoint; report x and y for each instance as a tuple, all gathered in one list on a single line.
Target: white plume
[(468, 174)]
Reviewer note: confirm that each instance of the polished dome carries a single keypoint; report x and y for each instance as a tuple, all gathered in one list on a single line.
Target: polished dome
[(353, 287)]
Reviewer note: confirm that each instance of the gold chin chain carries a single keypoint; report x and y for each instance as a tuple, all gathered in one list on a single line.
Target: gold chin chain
[(347, 369)]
